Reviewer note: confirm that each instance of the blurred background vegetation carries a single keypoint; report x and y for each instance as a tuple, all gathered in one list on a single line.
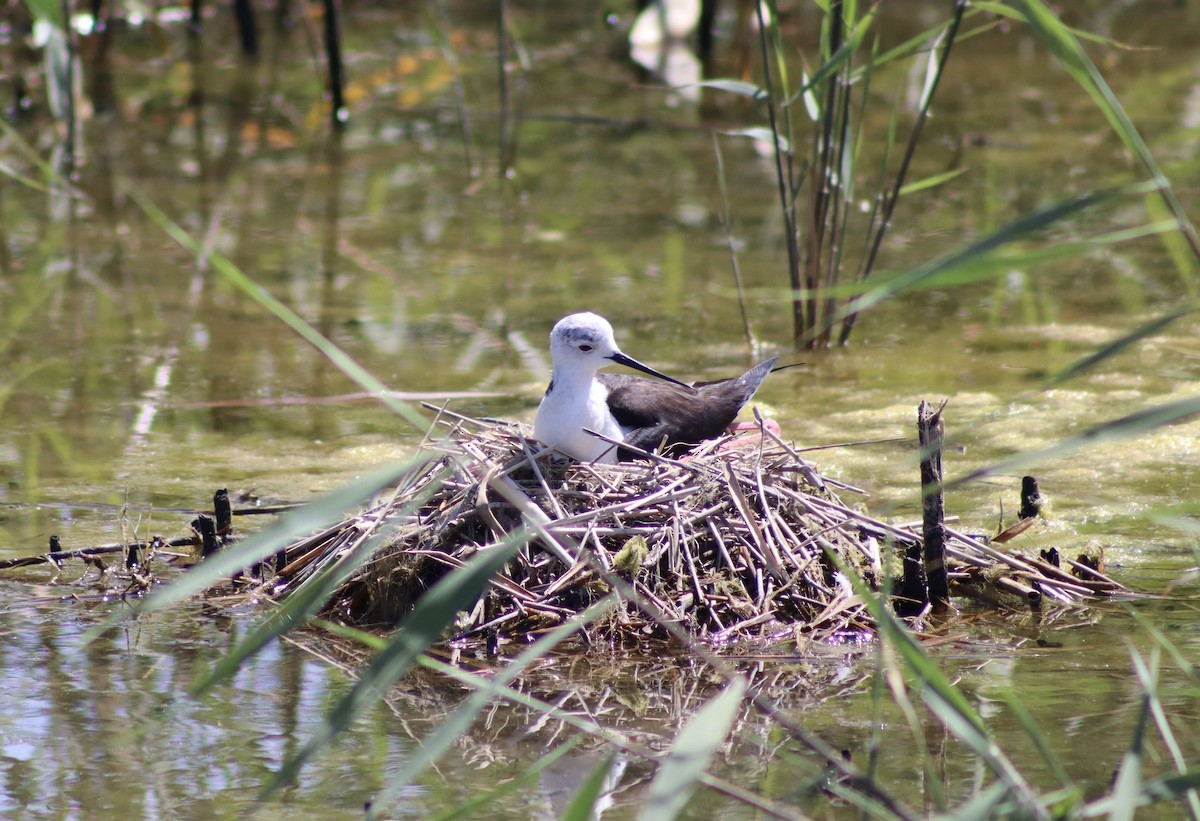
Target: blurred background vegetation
[(496, 165)]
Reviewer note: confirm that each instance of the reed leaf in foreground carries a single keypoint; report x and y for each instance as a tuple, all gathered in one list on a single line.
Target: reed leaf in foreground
[(1030, 726), (691, 754), (440, 740), (1127, 788), (1062, 43), (1171, 648), (336, 356), (1019, 228), (943, 699), (583, 803), (985, 806), (1126, 427), (480, 801), (615, 738), (433, 614), (308, 599), (1163, 788), (995, 255), (212, 571), (1111, 349), (1147, 674)]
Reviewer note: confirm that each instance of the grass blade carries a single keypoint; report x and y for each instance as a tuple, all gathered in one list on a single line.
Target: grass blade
[(329, 508), (1172, 649), (1171, 787), (1128, 788), (932, 182), (691, 753), (1163, 788), (762, 805), (942, 698), (739, 87), (1117, 345), (1059, 41), (759, 132), (449, 731), (843, 54), (1148, 677), (1030, 726), (306, 601), (983, 807), (1127, 427), (727, 225), (339, 358), (1018, 228), (583, 803), (435, 611), (479, 801)]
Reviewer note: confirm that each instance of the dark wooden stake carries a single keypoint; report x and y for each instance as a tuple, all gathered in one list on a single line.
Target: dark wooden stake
[(912, 596), (337, 71), (134, 557), (59, 556), (224, 513), (931, 431), (244, 13), (207, 530), (1031, 499)]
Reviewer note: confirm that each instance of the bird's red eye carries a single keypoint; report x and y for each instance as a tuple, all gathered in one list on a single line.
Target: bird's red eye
[(585, 348)]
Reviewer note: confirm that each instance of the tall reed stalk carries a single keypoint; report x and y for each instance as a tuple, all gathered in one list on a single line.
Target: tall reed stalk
[(817, 197)]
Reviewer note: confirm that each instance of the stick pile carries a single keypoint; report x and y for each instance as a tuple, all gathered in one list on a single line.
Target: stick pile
[(733, 544)]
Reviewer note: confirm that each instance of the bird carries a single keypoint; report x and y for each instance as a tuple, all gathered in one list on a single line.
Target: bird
[(644, 413)]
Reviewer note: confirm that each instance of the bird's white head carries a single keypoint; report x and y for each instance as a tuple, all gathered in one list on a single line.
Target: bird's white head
[(583, 342)]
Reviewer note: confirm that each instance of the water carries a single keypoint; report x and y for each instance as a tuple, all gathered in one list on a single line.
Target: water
[(129, 378)]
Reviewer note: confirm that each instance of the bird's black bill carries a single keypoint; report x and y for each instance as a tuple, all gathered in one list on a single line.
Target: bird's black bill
[(630, 362)]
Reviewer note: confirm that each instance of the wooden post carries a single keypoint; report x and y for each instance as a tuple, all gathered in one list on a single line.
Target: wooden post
[(206, 528), (913, 595), (224, 513), (243, 11), (1031, 498), (931, 431), (337, 70)]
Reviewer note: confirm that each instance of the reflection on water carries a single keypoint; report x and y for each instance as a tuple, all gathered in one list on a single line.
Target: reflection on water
[(130, 375), (109, 730)]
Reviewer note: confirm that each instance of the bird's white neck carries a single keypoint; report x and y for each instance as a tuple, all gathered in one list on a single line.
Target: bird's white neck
[(574, 401), (572, 381)]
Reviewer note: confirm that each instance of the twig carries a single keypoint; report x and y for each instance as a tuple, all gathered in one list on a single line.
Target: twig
[(57, 556)]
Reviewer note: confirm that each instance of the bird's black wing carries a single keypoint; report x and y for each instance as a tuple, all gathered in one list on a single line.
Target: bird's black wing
[(639, 403), (653, 412)]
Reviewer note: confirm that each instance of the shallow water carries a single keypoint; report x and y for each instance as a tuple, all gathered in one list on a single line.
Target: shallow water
[(127, 377)]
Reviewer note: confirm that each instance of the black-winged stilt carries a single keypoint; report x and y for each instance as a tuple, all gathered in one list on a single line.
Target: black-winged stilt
[(642, 412)]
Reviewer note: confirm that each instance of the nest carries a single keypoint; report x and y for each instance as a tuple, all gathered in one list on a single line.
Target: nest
[(739, 541)]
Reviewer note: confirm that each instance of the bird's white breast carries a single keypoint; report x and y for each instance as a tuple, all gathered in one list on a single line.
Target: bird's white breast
[(565, 412)]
